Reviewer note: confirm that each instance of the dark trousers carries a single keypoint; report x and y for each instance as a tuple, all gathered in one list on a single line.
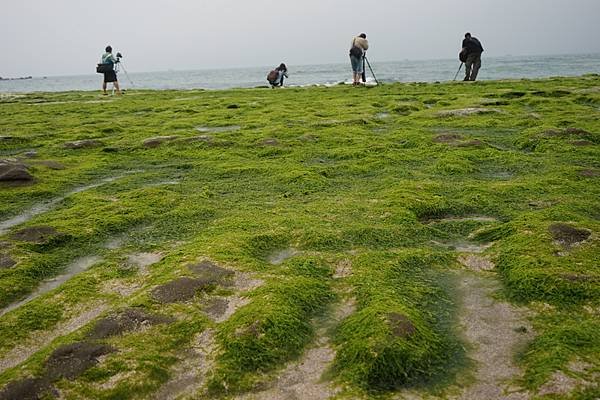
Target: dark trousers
[(472, 66)]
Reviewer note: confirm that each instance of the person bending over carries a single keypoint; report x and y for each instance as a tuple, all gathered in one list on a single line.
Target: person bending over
[(111, 75), (277, 76), (472, 49), (359, 46)]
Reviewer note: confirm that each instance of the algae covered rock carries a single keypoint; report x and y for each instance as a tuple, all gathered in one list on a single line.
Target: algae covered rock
[(14, 171), (82, 144)]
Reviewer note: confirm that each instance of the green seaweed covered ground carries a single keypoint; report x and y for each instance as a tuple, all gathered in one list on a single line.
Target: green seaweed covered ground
[(213, 244)]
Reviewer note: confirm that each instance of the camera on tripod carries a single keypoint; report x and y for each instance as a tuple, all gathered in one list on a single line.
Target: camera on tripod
[(119, 56)]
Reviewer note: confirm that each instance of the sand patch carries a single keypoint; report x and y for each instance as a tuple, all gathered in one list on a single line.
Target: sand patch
[(343, 269), (476, 263), (189, 375), (220, 309), (246, 282), (496, 332), (303, 378)]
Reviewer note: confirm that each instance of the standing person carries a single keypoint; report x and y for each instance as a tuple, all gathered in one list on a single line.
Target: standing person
[(277, 76), (359, 46), (472, 48), (111, 75)]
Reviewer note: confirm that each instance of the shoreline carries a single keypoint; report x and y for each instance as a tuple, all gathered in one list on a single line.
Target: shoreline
[(369, 85)]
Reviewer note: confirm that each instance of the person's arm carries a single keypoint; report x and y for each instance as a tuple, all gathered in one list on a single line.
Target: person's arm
[(366, 45)]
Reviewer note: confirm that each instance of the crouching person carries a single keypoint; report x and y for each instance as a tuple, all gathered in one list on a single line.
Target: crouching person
[(276, 77)]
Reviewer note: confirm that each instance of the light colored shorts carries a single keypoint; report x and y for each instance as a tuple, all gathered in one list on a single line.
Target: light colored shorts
[(357, 64)]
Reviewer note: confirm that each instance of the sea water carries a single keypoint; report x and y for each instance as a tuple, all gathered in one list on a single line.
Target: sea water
[(327, 74)]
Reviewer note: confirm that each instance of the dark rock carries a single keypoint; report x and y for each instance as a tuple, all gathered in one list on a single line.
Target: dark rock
[(448, 138), (51, 164), (27, 389), (128, 320), (72, 360), (211, 272), (30, 154), (83, 144), (580, 278), (471, 143), (567, 235), (581, 143), (179, 290), (6, 261), (589, 173), (270, 142), (35, 234), (400, 325), (157, 141), (233, 106), (217, 307), (14, 171), (200, 138)]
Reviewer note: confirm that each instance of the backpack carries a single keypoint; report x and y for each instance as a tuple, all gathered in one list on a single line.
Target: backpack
[(273, 75), (462, 56), (356, 52)]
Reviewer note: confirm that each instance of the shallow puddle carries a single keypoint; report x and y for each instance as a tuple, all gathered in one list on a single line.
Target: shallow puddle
[(38, 341), (463, 246), (143, 260), (278, 257), (75, 268), (218, 129), (47, 206)]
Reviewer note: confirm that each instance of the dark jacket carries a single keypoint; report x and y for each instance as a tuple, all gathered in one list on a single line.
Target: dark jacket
[(473, 46)]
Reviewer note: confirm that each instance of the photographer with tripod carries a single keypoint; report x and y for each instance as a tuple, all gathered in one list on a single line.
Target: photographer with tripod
[(359, 46), (107, 67)]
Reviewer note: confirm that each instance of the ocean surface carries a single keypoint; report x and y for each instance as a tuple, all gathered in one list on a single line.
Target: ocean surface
[(328, 74)]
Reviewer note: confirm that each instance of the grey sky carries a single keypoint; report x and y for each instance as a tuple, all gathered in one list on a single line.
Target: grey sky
[(62, 37)]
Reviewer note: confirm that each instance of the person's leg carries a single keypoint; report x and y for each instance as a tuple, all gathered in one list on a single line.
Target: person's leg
[(476, 66), (116, 83), (104, 87), (281, 80), (468, 67)]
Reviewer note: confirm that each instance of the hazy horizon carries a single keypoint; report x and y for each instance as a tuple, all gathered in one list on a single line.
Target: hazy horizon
[(66, 37)]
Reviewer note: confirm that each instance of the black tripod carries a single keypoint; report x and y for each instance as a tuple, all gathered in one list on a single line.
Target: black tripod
[(364, 74)]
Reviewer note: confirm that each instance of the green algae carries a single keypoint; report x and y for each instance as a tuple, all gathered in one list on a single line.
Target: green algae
[(378, 176)]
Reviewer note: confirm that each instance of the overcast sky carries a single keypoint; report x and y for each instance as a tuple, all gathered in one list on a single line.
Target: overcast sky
[(64, 37)]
